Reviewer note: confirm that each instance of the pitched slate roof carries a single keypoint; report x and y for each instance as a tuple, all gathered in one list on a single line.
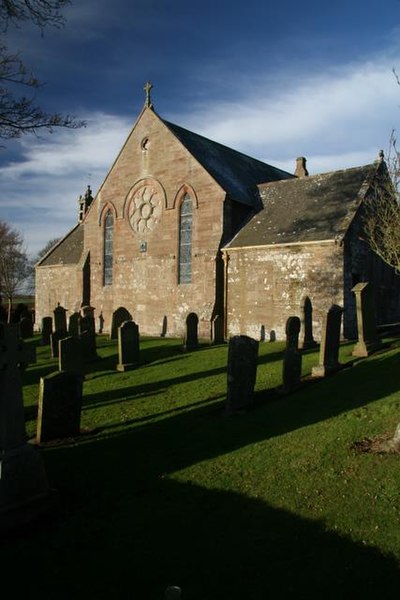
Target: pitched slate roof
[(237, 173), (68, 251), (309, 209)]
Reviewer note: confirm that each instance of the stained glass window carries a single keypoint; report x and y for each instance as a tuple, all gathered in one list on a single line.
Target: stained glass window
[(185, 241), (108, 248)]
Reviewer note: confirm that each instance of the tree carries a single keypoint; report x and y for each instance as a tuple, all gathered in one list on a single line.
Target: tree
[(19, 113), (14, 263), (381, 223)]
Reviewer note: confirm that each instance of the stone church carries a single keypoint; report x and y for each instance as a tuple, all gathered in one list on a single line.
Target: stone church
[(184, 228)]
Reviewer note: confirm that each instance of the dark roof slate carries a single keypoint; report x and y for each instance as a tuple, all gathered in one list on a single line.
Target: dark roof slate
[(237, 173), (314, 208), (68, 251)]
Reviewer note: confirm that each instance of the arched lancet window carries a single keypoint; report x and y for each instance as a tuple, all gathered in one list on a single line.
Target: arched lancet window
[(108, 248), (185, 241)]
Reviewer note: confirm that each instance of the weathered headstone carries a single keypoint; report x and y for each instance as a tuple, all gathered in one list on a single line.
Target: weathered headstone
[(308, 338), (368, 340), (26, 327), (60, 318), (164, 326), (291, 370), (218, 330), (71, 355), (55, 338), (46, 330), (23, 481), (330, 342), (128, 346), (88, 337), (241, 373), (119, 316), (101, 322), (191, 338), (60, 405), (73, 324)]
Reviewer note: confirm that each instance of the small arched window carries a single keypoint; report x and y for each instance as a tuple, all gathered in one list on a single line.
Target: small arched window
[(185, 241), (108, 248)]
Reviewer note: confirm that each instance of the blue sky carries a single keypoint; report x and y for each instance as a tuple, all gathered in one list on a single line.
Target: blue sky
[(273, 80)]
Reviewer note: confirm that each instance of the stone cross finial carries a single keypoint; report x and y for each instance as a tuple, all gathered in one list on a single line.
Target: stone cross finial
[(147, 88)]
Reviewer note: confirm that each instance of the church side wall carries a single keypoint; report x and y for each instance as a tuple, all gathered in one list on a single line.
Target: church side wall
[(57, 284), (266, 285)]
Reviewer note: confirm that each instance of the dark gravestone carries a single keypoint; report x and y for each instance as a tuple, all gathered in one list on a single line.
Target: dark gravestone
[(218, 330), (119, 316), (23, 482), (60, 404), (191, 337), (164, 327), (291, 371), (26, 327), (70, 355), (330, 342), (55, 338), (73, 324), (368, 340), (128, 346), (46, 330), (306, 310), (60, 319), (88, 337), (241, 372), (101, 322)]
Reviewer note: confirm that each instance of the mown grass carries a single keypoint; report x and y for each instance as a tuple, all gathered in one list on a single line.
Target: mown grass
[(165, 489)]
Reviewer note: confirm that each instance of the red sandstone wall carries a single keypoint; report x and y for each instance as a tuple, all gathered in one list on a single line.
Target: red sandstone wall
[(57, 284)]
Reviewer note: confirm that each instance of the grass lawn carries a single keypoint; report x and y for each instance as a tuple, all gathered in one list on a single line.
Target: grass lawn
[(165, 489)]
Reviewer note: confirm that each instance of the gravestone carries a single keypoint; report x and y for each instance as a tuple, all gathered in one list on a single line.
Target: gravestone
[(191, 338), (101, 322), (26, 327), (71, 355), (128, 346), (73, 324), (88, 337), (241, 373), (60, 405), (46, 330), (164, 326), (330, 342), (60, 318), (23, 481), (368, 340), (55, 338), (291, 370), (218, 330), (119, 316), (308, 338)]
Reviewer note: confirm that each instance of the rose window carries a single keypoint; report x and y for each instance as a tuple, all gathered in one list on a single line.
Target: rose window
[(145, 209)]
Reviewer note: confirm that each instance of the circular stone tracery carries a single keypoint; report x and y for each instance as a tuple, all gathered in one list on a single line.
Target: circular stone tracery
[(145, 209)]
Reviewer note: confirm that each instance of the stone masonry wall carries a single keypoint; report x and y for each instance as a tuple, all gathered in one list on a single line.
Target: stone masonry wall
[(57, 284), (266, 285)]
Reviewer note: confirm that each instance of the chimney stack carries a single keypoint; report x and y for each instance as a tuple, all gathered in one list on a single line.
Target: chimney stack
[(301, 170)]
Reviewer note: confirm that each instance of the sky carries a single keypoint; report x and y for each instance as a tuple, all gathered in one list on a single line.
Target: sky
[(272, 80)]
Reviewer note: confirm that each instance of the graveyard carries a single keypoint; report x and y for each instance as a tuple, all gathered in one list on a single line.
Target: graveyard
[(163, 486)]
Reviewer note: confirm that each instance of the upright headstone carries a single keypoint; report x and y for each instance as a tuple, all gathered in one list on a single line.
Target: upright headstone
[(55, 338), (218, 330), (291, 371), (191, 338), (26, 327), (73, 324), (241, 373), (101, 323), (60, 318), (128, 346), (308, 338), (23, 481), (46, 330), (88, 337), (330, 342), (119, 316), (368, 340), (60, 405), (71, 355)]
